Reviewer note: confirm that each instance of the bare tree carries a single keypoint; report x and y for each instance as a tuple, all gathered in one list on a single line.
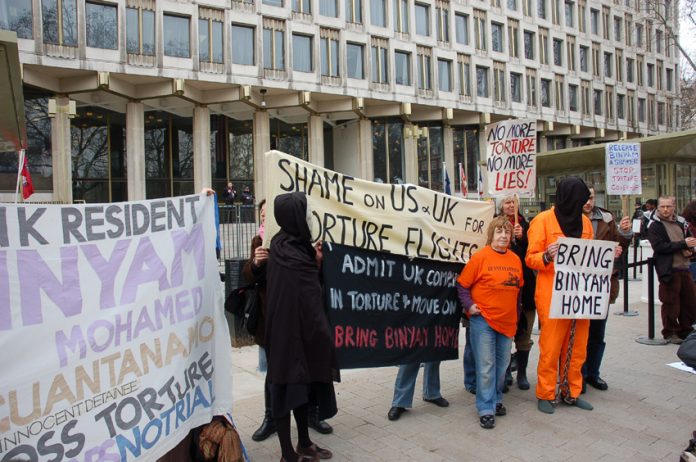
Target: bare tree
[(688, 100), (663, 12)]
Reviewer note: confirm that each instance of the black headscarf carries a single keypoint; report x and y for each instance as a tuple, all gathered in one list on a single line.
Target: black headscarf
[(571, 195), (290, 212)]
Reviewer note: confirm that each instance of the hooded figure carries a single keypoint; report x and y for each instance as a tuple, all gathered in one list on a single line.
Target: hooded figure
[(299, 345), (565, 219)]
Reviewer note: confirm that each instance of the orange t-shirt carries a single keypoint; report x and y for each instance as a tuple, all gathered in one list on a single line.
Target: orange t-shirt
[(495, 280)]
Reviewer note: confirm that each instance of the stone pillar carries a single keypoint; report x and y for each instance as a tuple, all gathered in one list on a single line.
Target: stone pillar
[(315, 129), (448, 144), (61, 151), (410, 154), (135, 150), (262, 144), (202, 174), (365, 160)]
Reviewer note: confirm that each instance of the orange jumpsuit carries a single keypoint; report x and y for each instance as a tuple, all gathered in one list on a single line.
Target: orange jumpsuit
[(544, 230)]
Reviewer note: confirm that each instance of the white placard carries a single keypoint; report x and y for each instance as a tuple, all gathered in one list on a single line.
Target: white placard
[(623, 169), (582, 279), (511, 147)]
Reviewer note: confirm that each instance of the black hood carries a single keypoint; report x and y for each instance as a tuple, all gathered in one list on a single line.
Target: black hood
[(571, 194), (290, 212)]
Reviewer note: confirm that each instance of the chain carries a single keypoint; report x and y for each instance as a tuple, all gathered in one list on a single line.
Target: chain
[(564, 388)]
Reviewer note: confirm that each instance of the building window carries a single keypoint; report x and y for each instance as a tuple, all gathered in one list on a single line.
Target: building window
[(466, 150), (430, 156), (660, 113), (648, 38), (557, 52), (356, 57), (669, 78), (608, 64), (528, 44), (378, 13), (531, 88), (618, 28), (597, 101), (629, 69), (243, 44), (585, 84), (59, 22), (461, 25), (512, 5), (424, 68), (527, 8), (17, 16), (210, 26), (659, 71), (569, 20), (583, 58), (641, 110), (480, 30), (302, 53), (354, 11), (570, 41), (582, 16), (651, 75), (628, 24), (380, 72), (401, 18), (273, 2), (101, 25), (402, 67), (464, 75), (543, 45), (639, 35), (168, 155), (541, 9), (302, 6), (639, 70), (609, 102), (516, 87), (513, 38), (499, 89), (495, 3), (442, 23), (619, 65), (596, 63), (176, 36), (594, 21), (497, 37), (572, 97), (605, 23), (658, 41), (620, 103), (482, 81), (560, 94), (546, 92), (328, 8), (387, 150), (422, 19), (556, 12), (631, 110), (273, 44), (329, 52), (444, 74)]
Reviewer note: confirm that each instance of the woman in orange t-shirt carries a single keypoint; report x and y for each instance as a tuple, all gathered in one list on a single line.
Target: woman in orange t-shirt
[(489, 288)]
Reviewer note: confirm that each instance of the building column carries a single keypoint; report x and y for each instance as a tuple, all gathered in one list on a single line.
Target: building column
[(61, 151), (316, 140), (448, 144), (365, 159), (262, 144), (135, 149), (411, 154), (202, 173)]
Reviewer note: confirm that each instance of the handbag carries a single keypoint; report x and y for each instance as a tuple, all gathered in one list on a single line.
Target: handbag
[(252, 310)]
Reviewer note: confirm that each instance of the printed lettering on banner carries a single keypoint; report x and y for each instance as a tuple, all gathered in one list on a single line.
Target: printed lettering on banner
[(582, 279)]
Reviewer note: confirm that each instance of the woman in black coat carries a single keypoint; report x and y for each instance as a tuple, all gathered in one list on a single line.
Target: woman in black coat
[(298, 339)]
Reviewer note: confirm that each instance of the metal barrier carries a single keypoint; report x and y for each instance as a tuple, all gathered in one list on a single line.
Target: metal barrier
[(237, 228)]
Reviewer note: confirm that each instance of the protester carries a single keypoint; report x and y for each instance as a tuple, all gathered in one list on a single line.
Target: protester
[(229, 194), (525, 323), (488, 288), (405, 385), (247, 196), (565, 219), (650, 207), (689, 215), (301, 357), (604, 228), (673, 247)]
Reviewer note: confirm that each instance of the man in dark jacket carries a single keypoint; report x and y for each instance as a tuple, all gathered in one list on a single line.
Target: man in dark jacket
[(605, 229), (673, 247)]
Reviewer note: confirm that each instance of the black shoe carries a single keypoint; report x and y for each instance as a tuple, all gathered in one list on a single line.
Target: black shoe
[(500, 409), (266, 429), (487, 421), (597, 382), (522, 360), (440, 402), (321, 426), (471, 390), (395, 412)]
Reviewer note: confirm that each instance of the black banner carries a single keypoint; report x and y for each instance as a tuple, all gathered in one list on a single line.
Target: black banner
[(386, 309)]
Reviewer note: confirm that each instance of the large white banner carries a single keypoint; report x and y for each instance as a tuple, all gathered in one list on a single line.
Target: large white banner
[(113, 339), (582, 279), (395, 218), (623, 169), (511, 147)]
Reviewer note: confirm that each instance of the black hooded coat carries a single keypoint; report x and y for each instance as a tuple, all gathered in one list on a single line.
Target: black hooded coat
[(299, 344)]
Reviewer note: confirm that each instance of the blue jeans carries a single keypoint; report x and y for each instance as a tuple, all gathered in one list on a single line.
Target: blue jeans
[(263, 362), (492, 355), (406, 383), (595, 348), (469, 363)]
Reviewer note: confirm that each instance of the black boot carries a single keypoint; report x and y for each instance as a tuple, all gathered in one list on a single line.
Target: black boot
[(319, 425), (522, 360), (268, 426)]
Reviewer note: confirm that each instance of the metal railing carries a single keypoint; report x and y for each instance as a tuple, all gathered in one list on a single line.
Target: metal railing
[(237, 228)]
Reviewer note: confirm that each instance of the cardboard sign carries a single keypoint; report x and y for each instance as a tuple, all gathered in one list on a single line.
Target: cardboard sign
[(511, 157), (623, 169), (112, 329), (582, 280), (396, 218), (388, 309)]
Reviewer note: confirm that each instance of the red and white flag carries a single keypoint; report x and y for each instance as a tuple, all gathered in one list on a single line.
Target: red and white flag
[(462, 181), (27, 184)]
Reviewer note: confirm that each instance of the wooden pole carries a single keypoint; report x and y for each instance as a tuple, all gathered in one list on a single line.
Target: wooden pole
[(517, 208)]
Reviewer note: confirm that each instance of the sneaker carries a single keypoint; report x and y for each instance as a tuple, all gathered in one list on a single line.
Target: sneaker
[(487, 421), (500, 409), (674, 340)]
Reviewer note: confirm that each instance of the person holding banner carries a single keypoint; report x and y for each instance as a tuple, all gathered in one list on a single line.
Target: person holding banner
[(508, 206), (555, 345), (489, 288), (405, 386), (604, 228), (299, 345)]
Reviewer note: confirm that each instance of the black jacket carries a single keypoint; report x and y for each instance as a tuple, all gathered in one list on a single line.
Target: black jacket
[(663, 248)]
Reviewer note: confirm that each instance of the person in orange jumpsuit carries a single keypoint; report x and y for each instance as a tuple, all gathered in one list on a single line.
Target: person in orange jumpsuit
[(565, 219)]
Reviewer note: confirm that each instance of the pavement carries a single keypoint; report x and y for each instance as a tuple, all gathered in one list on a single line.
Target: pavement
[(647, 414)]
